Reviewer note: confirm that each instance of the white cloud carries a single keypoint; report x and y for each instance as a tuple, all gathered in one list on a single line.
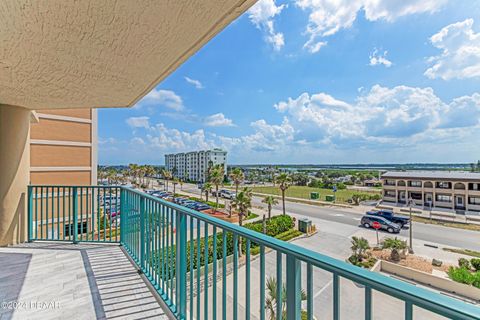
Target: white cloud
[(395, 115), (262, 15), (218, 120), (266, 137), (172, 140), (137, 140), (327, 17), (165, 98), (460, 57), (384, 123), (377, 58), (196, 83), (138, 122)]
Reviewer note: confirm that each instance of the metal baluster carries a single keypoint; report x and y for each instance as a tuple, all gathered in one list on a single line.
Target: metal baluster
[(214, 277), (205, 285), (247, 279), (309, 291), (224, 275), (279, 297), (262, 282), (235, 276)]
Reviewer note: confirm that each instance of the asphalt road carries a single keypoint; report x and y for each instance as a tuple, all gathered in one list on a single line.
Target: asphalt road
[(446, 236)]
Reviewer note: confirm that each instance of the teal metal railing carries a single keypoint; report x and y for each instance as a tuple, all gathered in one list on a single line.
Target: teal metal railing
[(198, 263), (74, 213)]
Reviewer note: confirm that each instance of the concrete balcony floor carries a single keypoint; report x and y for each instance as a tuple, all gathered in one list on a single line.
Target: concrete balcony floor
[(66, 281)]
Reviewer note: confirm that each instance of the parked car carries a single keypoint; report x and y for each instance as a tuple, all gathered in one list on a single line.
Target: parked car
[(390, 216), (201, 207), (190, 205), (368, 220), (227, 194)]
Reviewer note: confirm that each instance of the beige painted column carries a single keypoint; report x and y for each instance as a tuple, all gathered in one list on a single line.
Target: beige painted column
[(14, 173)]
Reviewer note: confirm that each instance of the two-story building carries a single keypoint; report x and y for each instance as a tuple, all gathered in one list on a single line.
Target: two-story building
[(455, 190)]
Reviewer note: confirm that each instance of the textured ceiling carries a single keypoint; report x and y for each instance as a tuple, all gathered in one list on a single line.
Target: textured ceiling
[(91, 53)]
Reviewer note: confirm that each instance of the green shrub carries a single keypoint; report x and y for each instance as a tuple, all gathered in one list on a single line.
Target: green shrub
[(289, 235), (475, 262), (394, 243), (274, 225), (464, 263), (461, 275)]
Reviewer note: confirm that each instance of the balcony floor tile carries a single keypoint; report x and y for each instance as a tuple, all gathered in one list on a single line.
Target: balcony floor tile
[(61, 281)]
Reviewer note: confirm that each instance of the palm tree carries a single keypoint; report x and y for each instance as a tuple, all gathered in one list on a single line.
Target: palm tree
[(242, 203), (271, 301), (207, 187), (167, 175), (270, 201), (174, 182), (133, 172), (359, 246), (150, 172), (216, 178), (284, 181), (238, 177)]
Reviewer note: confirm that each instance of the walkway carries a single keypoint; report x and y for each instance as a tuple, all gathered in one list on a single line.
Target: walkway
[(64, 281)]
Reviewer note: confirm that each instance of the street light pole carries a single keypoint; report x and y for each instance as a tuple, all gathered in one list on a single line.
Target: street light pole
[(410, 249)]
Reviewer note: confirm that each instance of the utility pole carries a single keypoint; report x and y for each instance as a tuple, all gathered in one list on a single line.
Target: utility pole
[(410, 203)]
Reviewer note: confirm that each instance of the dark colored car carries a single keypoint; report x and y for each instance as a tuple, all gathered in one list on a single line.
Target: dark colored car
[(201, 207), (368, 220), (390, 216)]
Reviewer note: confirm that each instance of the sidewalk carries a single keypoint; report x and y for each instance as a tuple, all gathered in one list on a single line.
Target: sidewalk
[(439, 215)]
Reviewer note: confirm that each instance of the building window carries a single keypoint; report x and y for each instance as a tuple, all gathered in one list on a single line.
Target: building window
[(443, 198), (444, 185), (81, 228), (389, 182), (417, 184), (390, 193), (474, 200), (416, 196), (474, 186)]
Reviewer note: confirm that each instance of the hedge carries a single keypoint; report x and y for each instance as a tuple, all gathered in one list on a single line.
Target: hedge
[(276, 226)]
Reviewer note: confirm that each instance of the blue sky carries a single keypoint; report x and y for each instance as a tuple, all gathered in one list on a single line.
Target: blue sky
[(316, 81)]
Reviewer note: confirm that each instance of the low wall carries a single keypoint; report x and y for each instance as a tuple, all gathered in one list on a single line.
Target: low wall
[(425, 278)]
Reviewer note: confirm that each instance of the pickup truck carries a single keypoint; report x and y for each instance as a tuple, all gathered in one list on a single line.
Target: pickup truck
[(390, 216)]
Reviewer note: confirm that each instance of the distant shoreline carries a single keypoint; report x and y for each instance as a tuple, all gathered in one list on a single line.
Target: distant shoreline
[(359, 166)]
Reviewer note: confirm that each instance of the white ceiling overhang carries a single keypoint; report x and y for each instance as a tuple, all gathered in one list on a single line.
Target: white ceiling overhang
[(91, 53)]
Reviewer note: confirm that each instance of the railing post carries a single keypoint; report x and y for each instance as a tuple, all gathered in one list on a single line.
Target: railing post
[(181, 264), (30, 215), (75, 215), (294, 288), (123, 215), (142, 232)]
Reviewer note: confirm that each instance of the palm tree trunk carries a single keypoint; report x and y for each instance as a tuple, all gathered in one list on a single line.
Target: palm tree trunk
[(283, 201), (269, 211), (206, 195), (236, 188), (216, 196)]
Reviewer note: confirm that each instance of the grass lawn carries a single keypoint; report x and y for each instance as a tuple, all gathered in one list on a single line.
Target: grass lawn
[(471, 226), (464, 251), (304, 192)]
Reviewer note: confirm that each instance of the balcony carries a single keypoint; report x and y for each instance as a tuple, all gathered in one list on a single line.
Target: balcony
[(197, 266)]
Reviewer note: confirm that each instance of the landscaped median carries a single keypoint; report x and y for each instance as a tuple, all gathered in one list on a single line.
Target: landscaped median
[(392, 257), (281, 227), (304, 192)]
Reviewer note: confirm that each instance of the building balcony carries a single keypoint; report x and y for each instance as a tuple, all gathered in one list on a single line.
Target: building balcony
[(144, 257), (415, 189), (389, 186)]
